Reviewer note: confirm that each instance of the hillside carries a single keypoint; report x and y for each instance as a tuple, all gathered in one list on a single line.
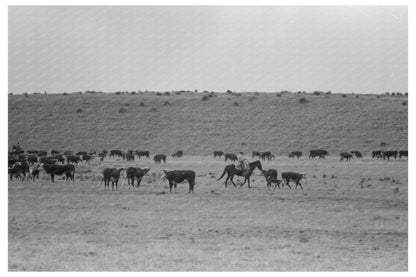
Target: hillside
[(262, 122)]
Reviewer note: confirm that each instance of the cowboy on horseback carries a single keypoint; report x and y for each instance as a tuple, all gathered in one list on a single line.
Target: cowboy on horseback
[(242, 164)]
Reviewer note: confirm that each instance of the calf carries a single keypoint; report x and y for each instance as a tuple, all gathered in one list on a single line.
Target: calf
[(271, 177), (113, 175), (178, 176), (357, 154), (403, 153), (296, 154), (345, 156), (159, 158), (293, 176), (218, 154), (178, 154), (377, 154), (231, 157), (318, 153), (137, 173), (143, 154), (73, 159)]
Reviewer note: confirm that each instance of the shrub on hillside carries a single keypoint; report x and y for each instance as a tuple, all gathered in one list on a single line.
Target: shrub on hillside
[(166, 103), (142, 104), (328, 92), (229, 91), (393, 94), (378, 96), (405, 93), (317, 93), (79, 110), (65, 93), (26, 94), (118, 92), (344, 96), (404, 103), (122, 110), (303, 100), (236, 103), (205, 98), (383, 144), (11, 93)]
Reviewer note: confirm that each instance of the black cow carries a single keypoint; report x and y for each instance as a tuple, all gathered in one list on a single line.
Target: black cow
[(296, 154), (271, 177), (130, 156), (178, 154), (218, 154), (60, 158), (159, 158), (318, 153), (292, 176), (137, 173), (34, 174), (390, 154), (57, 169), (357, 154), (345, 156), (81, 153), (230, 156), (73, 159), (102, 155), (143, 154), (113, 175), (178, 176), (18, 170), (403, 153), (47, 160), (54, 152), (87, 158), (68, 153), (255, 154), (377, 154), (42, 153), (266, 156), (32, 159), (117, 153)]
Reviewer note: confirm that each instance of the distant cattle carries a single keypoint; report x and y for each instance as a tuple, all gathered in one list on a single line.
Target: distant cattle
[(377, 154), (271, 177), (18, 170), (32, 159), (102, 155), (111, 175), (32, 152), (255, 154), (117, 153), (357, 154), (403, 153), (230, 156), (87, 158), (345, 156), (57, 169), (178, 154), (390, 154), (68, 153), (135, 173), (318, 153), (178, 176), (292, 176), (296, 154), (159, 158), (42, 153), (34, 174), (54, 152), (60, 158), (266, 156), (47, 160), (73, 159), (81, 153), (142, 154), (218, 154), (130, 156)]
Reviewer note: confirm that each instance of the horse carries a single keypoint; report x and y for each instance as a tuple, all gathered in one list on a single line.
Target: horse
[(231, 170)]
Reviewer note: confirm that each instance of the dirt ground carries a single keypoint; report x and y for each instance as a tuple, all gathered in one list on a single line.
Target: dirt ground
[(350, 216)]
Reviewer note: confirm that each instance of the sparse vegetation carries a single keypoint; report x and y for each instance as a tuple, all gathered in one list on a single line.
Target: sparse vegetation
[(79, 110), (344, 96), (235, 103), (167, 103), (205, 98), (404, 103), (122, 110), (303, 100)]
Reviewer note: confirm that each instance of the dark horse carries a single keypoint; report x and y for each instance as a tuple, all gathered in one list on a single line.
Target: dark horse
[(231, 170)]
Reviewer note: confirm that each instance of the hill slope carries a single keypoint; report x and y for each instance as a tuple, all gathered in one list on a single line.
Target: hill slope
[(263, 122)]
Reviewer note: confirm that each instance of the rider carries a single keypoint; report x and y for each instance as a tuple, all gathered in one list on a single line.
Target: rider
[(242, 163)]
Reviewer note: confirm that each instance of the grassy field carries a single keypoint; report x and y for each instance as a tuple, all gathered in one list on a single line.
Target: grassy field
[(164, 124), (350, 216)]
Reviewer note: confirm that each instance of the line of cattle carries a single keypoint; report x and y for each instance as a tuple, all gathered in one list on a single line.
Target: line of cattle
[(19, 165)]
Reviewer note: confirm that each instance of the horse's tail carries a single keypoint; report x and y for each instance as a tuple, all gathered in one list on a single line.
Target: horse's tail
[(225, 170)]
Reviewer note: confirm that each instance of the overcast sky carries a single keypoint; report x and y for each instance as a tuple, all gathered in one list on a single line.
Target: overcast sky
[(343, 49)]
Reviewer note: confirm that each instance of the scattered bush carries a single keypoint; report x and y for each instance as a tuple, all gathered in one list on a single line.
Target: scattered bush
[(166, 103), (357, 96), (122, 110), (405, 93), (387, 93), (236, 94), (212, 94), (398, 93), (142, 104), (65, 93), (11, 93), (393, 94), (256, 93), (133, 92), (383, 144), (229, 91), (329, 92), (158, 94), (404, 103), (167, 93), (303, 100), (205, 98), (79, 110), (317, 93), (236, 103), (344, 96), (118, 92), (153, 110), (252, 98)]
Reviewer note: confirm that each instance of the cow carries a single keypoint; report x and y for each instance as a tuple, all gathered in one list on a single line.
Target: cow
[(60, 158), (403, 153), (390, 154), (159, 158), (345, 156), (218, 154), (81, 153), (293, 176), (102, 155), (231, 170), (266, 156), (255, 154), (318, 153), (73, 159), (143, 154), (57, 169), (377, 154), (87, 158), (34, 173), (68, 153), (230, 156), (16, 171), (47, 160), (113, 175), (137, 173), (178, 154), (271, 177), (178, 176), (42, 153), (296, 154), (32, 159), (117, 153), (130, 156), (357, 154), (54, 152)]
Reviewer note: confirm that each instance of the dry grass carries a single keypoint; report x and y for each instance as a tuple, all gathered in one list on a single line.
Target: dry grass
[(355, 220)]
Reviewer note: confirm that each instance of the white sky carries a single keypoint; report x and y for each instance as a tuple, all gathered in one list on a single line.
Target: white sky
[(362, 49)]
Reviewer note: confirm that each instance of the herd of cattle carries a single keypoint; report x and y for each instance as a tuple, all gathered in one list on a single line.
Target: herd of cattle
[(27, 165)]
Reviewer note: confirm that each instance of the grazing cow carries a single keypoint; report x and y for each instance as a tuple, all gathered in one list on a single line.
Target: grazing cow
[(345, 156), (218, 154), (31, 152), (130, 156), (42, 153), (178, 154), (32, 159), (117, 153), (15, 171), (73, 159), (318, 153), (143, 154), (390, 154), (271, 177), (54, 152), (102, 155), (81, 153), (68, 153), (231, 157), (403, 153), (159, 158), (231, 170), (296, 154), (266, 156), (57, 169), (377, 154), (293, 176), (87, 158), (47, 160), (178, 176), (255, 154), (137, 173), (357, 154), (34, 173), (60, 158), (113, 175)]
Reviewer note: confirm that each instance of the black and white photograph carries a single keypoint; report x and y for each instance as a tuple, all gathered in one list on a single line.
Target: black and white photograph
[(207, 138)]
